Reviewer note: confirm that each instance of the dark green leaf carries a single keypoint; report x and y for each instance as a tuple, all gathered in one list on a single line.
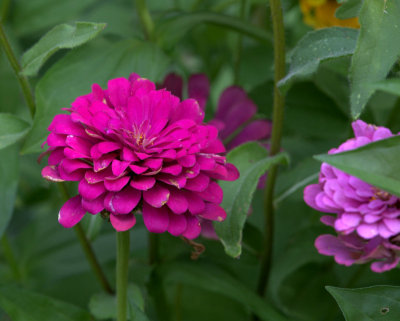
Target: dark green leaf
[(173, 29), (12, 129), (348, 9), (376, 163), (315, 47), (376, 303), (9, 174), (252, 161), (213, 279), (104, 306), (77, 71), (60, 37), (23, 305), (378, 48)]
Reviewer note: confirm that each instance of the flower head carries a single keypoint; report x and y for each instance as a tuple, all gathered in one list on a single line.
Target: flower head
[(366, 218), (132, 147), (321, 14)]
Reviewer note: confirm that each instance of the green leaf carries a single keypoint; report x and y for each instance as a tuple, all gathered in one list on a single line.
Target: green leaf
[(252, 161), (391, 86), (375, 303), (378, 48), (348, 9), (12, 129), (104, 306), (9, 174), (74, 74), (60, 37), (316, 47), (23, 305), (213, 279), (376, 163), (171, 30)]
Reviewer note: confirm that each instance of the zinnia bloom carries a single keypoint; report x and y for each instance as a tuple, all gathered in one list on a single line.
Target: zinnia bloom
[(321, 14), (366, 219), (233, 118), (133, 149)]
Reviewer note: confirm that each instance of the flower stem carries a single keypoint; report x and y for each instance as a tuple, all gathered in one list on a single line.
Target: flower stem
[(145, 19), (122, 274), (239, 48), (88, 249), (23, 81), (277, 120)]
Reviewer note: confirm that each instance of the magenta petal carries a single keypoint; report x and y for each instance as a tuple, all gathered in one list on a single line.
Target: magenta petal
[(122, 202), (122, 223), (155, 219), (228, 98), (188, 109), (177, 224), (119, 167), (51, 174), (213, 212), (71, 212), (193, 228), (174, 84), (310, 194), (177, 202), (256, 130), (94, 206), (115, 185), (143, 183), (199, 89), (213, 193), (198, 184), (90, 191), (196, 204), (157, 196)]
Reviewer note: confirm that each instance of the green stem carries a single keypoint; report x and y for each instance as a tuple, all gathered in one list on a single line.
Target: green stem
[(5, 5), (153, 249), (122, 274), (88, 249), (145, 19), (239, 48), (10, 257), (23, 81), (277, 120)]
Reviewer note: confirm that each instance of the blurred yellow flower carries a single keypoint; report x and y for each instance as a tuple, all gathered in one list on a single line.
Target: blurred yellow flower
[(321, 14)]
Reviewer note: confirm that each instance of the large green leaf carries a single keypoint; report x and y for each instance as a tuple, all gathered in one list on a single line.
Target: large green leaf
[(172, 29), (391, 86), (23, 305), (12, 129), (252, 161), (9, 174), (348, 9), (376, 163), (378, 48), (376, 303), (60, 37), (73, 75), (213, 279), (314, 48), (104, 306)]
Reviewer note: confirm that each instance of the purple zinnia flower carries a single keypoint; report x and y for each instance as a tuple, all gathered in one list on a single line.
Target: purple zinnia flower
[(132, 147), (366, 218), (233, 118)]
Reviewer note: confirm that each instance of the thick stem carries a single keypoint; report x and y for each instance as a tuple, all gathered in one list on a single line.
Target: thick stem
[(88, 249), (122, 274), (145, 19), (23, 81), (277, 119), (239, 48)]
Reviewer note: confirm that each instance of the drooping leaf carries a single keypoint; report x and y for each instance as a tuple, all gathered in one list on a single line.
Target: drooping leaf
[(378, 48), (376, 303), (104, 306), (174, 28), (24, 305), (376, 163), (348, 9), (252, 161), (12, 129), (9, 174), (60, 37), (74, 74), (213, 279), (315, 47)]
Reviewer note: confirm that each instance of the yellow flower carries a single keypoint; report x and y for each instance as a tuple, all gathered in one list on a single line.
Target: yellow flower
[(321, 14)]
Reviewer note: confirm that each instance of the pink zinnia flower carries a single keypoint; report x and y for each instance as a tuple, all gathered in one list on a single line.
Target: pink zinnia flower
[(233, 118), (133, 149), (366, 218)]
